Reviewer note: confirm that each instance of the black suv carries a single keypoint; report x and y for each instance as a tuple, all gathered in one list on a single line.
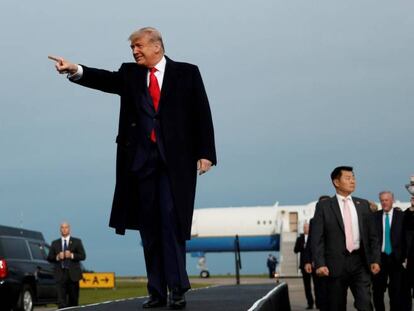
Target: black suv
[(26, 277)]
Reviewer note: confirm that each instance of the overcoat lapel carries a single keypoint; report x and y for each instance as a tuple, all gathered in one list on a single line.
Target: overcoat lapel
[(168, 83), (144, 100)]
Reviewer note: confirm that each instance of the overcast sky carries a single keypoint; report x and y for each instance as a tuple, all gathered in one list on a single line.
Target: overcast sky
[(296, 88)]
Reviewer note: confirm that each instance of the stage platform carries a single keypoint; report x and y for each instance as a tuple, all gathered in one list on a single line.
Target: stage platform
[(223, 297)]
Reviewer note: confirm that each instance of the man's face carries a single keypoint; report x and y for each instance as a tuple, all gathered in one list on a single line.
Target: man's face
[(386, 200), (64, 229), (345, 184), (145, 52), (306, 228)]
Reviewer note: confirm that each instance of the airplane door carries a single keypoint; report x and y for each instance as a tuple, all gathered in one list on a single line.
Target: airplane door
[(194, 231), (293, 222)]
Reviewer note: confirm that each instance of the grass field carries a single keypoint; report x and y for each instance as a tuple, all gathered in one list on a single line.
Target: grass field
[(125, 288)]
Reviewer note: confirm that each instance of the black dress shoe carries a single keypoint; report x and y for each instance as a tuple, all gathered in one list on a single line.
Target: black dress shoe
[(154, 302), (176, 301)]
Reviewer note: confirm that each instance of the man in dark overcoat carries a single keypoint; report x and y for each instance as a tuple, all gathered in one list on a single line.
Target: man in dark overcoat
[(165, 136)]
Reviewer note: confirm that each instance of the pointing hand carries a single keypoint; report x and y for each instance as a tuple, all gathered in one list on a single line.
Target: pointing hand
[(63, 66)]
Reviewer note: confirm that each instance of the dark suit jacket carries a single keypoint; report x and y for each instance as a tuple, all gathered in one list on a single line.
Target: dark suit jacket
[(328, 235), (308, 247), (76, 247), (300, 247), (409, 233), (182, 123), (398, 239)]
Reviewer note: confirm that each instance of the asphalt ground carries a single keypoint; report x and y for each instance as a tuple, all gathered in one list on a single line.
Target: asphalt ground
[(221, 295)]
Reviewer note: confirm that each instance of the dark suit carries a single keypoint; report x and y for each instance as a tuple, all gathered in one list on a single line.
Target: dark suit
[(391, 266), (303, 250), (409, 233), (329, 249), (319, 284), (155, 183), (67, 273)]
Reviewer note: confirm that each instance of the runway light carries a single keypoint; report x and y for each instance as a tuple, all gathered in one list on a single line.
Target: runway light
[(276, 277)]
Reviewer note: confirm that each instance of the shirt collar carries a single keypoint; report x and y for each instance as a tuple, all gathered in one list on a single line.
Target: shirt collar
[(390, 212), (341, 198), (161, 65), (67, 238)]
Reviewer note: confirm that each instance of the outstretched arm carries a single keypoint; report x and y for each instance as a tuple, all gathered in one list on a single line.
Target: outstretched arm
[(98, 79)]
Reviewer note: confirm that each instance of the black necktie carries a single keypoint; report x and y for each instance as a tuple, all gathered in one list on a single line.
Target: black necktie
[(65, 263)]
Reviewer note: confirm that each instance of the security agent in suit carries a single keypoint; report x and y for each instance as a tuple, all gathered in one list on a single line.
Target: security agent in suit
[(319, 284), (409, 233), (66, 253), (390, 227), (165, 135), (345, 247), (301, 247)]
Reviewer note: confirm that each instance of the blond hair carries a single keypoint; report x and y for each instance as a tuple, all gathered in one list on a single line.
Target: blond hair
[(153, 34)]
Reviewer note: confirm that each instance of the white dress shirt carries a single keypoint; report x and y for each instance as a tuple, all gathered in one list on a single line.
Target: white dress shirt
[(159, 74), (383, 226), (63, 242), (354, 218)]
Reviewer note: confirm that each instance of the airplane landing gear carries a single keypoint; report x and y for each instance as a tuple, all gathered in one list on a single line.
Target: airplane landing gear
[(204, 274), (203, 267)]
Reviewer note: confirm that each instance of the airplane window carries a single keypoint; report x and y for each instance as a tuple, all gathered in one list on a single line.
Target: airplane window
[(258, 222), (270, 222), (264, 222)]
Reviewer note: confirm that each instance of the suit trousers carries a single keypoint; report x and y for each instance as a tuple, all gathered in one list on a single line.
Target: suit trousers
[(164, 251), (307, 280), (410, 276), (321, 292), (355, 276), (391, 276), (68, 291)]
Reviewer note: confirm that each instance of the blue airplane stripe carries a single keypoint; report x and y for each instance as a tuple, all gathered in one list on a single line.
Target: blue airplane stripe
[(226, 244)]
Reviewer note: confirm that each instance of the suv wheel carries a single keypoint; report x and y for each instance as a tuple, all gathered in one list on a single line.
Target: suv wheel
[(25, 302)]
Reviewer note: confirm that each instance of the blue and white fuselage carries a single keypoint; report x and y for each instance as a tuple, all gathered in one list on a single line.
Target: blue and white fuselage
[(214, 229)]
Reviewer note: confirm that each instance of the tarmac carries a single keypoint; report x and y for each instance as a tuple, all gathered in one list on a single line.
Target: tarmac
[(222, 294)]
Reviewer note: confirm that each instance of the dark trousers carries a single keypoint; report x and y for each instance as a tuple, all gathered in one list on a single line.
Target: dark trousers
[(321, 292), (391, 276), (272, 271), (410, 276), (307, 279), (68, 291), (164, 250), (354, 276)]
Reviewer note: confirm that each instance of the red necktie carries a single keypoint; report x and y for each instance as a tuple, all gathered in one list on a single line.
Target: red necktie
[(154, 91)]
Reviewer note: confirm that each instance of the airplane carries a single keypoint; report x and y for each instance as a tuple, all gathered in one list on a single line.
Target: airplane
[(258, 228)]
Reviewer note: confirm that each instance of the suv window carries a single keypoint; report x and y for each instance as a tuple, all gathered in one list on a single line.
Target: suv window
[(14, 248), (37, 250)]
